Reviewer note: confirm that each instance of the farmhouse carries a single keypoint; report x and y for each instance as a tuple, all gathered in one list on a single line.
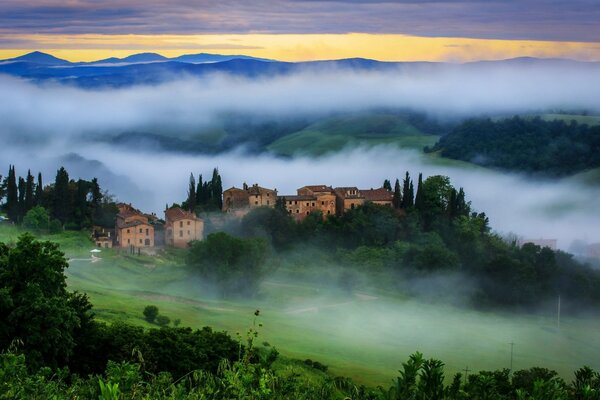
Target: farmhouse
[(182, 227), (133, 229), (241, 201), (310, 199)]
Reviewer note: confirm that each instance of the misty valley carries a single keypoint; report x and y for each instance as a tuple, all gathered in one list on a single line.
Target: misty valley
[(236, 227)]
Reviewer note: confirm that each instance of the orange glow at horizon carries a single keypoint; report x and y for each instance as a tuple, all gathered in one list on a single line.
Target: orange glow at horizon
[(300, 47)]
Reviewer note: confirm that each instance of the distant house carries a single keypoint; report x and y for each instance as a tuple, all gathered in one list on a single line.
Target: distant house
[(348, 198), (103, 237), (310, 199), (243, 200), (379, 196), (182, 227), (133, 229)]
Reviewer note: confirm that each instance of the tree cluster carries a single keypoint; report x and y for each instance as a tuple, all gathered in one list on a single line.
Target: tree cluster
[(529, 145), (55, 328), (204, 195), (65, 202)]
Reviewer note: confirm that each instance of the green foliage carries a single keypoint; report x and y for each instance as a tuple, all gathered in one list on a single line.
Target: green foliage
[(235, 265), (531, 145), (37, 218), (35, 306), (163, 320), (150, 313)]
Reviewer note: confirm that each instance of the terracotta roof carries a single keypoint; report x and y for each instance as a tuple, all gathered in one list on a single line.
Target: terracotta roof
[(343, 192), (318, 188), (380, 194), (128, 213), (122, 224), (176, 213), (233, 188)]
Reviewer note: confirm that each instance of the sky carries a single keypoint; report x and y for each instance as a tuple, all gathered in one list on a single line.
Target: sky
[(295, 30)]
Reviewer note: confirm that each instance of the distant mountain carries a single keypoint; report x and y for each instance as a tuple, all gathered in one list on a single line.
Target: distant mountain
[(37, 57), (152, 68), (212, 58), (132, 59)]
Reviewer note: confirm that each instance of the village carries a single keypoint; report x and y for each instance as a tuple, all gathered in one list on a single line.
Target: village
[(140, 232)]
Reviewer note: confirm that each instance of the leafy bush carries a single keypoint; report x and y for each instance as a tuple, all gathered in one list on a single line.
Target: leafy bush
[(150, 313)]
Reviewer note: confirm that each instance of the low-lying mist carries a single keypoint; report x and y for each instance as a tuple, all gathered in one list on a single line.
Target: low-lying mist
[(44, 126)]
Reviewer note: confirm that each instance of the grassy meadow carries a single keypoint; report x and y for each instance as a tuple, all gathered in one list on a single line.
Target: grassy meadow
[(365, 334)]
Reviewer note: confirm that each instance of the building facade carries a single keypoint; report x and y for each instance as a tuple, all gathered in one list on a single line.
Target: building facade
[(248, 197), (182, 227), (133, 230)]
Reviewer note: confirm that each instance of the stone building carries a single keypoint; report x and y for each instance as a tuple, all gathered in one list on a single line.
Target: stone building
[(310, 199), (380, 196), (133, 229), (348, 198), (182, 227), (242, 200), (103, 237)]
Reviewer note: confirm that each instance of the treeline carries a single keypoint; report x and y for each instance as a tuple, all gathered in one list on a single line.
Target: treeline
[(204, 196), (529, 145), (436, 231), (64, 203)]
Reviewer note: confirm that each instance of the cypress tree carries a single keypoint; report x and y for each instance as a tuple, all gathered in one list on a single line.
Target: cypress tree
[(12, 195), (397, 200), (21, 200), (39, 191), (62, 204), (191, 200), (411, 195), (388, 185), (2, 188), (96, 201), (217, 189), (200, 192), (452, 207), (407, 195), (419, 198), (29, 192)]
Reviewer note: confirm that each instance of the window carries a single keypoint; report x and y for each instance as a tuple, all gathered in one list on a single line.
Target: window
[(181, 224), (313, 204), (297, 211), (188, 233), (256, 202), (180, 233), (128, 241), (267, 202), (289, 211), (147, 243), (147, 231), (307, 213), (352, 206), (188, 223), (307, 204), (328, 211), (128, 231), (295, 202), (322, 203), (267, 194), (290, 202), (106, 245), (141, 241), (141, 230)]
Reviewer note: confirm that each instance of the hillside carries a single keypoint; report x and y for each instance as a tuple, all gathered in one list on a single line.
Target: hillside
[(366, 129)]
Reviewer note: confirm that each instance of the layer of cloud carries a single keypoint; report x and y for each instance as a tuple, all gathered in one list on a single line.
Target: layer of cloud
[(530, 19)]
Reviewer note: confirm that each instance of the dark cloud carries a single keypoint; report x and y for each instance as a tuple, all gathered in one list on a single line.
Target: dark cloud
[(575, 20)]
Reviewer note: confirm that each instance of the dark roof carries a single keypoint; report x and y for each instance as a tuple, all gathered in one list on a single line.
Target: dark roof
[(343, 191), (380, 194), (318, 188), (131, 224), (176, 213)]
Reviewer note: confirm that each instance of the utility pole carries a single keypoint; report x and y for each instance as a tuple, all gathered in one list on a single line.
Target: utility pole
[(558, 314), (512, 345), (467, 370)]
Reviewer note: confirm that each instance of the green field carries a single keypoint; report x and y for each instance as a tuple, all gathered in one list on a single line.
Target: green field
[(334, 134), (365, 334)]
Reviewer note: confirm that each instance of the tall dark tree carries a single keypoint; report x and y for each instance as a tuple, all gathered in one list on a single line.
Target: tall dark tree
[(2, 188), (12, 195), (81, 211), (39, 191), (407, 195), (62, 197), (387, 185), (397, 200), (29, 192), (217, 189), (191, 200), (96, 201), (22, 189), (200, 192), (419, 198)]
